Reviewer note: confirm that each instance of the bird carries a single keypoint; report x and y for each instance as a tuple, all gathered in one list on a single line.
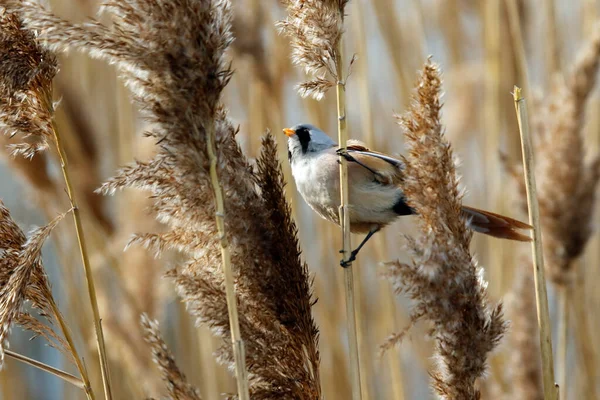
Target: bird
[(374, 187)]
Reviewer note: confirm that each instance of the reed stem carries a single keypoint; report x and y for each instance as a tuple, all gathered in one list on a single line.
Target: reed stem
[(564, 295), (236, 337), (89, 277), (349, 289), (67, 334), (541, 296), (516, 34), (65, 376)]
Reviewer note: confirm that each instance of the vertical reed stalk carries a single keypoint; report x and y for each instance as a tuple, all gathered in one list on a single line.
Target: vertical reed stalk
[(516, 34), (541, 296), (234, 325), (345, 223), (564, 296), (86, 263)]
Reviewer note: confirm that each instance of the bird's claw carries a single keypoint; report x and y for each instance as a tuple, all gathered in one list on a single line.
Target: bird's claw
[(348, 262), (344, 153)]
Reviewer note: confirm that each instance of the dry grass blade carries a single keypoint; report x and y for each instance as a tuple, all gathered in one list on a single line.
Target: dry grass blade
[(175, 380), (73, 380), (550, 391), (443, 279), (171, 55)]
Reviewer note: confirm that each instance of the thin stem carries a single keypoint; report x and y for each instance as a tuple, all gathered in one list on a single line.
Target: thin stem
[(516, 34), (89, 277), (236, 337), (563, 338), (541, 296), (67, 334), (345, 223), (73, 380)]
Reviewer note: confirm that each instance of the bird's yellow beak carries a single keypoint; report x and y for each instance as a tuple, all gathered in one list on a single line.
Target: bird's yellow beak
[(289, 132)]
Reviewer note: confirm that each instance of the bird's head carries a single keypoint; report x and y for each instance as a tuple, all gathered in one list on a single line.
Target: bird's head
[(304, 139)]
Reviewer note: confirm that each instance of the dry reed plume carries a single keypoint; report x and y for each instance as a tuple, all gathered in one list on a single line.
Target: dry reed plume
[(566, 182), (315, 30), (443, 278), (26, 109), (175, 380), (171, 56), (24, 280), (25, 87)]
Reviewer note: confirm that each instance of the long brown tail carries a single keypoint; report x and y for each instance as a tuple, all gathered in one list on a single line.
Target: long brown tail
[(495, 225)]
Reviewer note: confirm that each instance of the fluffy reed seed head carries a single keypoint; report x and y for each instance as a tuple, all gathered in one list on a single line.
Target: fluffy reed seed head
[(26, 73), (171, 55), (175, 381), (23, 279), (443, 279), (315, 29), (566, 182)]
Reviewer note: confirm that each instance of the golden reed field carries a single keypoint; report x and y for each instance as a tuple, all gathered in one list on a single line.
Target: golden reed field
[(154, 242)]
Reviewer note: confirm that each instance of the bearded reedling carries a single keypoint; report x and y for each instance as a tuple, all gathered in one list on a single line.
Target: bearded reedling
[(375, 185)]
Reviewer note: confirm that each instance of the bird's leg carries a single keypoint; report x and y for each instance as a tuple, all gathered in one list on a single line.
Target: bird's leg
[(344, 153), (346, 263)]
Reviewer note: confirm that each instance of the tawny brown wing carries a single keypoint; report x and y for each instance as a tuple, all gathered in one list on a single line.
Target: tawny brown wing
[(386, 170)]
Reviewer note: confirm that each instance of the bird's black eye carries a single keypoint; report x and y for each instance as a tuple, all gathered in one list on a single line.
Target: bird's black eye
[(304, 138)]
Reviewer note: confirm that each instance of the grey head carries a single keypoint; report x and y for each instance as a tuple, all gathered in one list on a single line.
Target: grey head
[(306, 139)]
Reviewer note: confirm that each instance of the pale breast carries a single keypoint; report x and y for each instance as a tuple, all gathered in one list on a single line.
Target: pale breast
[(317, 176), (317, 180)]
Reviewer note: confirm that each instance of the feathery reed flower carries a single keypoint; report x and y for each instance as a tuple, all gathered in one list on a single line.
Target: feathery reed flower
[(171, 55), (26, 73), (443, 278), (174, 379), (315, 28), (22, 279), (566, 182)]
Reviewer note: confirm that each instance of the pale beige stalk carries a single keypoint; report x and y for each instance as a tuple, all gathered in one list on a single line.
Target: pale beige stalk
[(345, 223), (544, 324), (236, 337), (73, 380), (564, 298), (86, 265)]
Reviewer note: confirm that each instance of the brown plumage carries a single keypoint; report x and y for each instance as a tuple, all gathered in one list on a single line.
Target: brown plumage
[(389, 171)]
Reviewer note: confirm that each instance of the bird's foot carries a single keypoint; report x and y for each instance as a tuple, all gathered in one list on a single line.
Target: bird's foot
[(348, 262), (344, 153)]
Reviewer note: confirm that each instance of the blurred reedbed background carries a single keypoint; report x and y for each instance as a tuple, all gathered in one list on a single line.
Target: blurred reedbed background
[(298, 346)]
